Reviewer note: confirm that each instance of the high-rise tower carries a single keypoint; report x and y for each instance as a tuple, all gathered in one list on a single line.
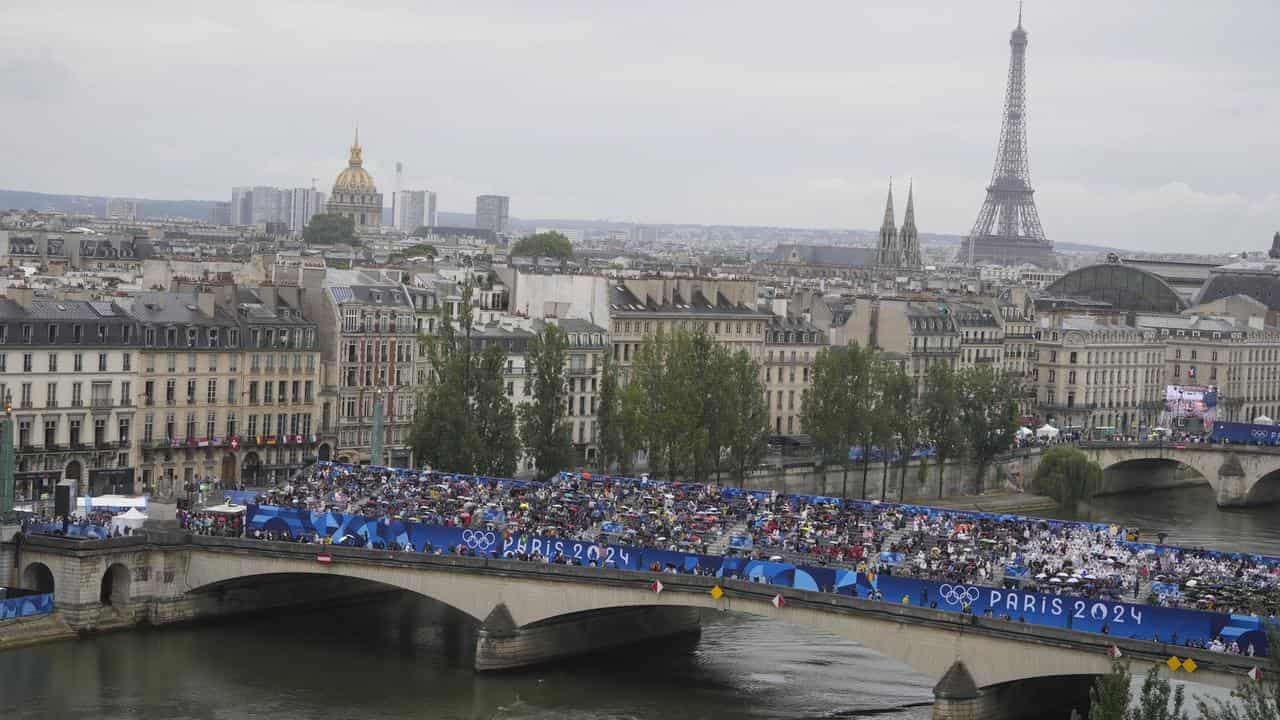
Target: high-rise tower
[(889, 253), (1008, 230), (908, 236)]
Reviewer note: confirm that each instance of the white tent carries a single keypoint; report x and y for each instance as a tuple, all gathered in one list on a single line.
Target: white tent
[(1263, 420), (1047, 432), (131, 519), (1025, 431), (226, 509)]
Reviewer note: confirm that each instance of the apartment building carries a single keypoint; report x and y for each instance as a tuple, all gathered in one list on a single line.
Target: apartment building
[(1098, 373), (67, 371), (189, 381), (791, 346), (368, 342), (587, 344), (981, 334)]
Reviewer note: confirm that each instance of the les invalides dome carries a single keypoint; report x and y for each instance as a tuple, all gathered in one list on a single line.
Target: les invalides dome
[(354, 193)]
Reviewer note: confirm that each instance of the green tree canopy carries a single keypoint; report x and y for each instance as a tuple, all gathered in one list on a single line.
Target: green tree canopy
[(544, 244), (545, 433), (1252, 699), (836, 404), (988, 413), (940, 414), (330, 229), (1067, 475), (420, 250), (463, 420)]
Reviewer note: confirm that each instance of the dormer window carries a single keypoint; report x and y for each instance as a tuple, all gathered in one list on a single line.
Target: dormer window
[(191, 337), (213, 337)]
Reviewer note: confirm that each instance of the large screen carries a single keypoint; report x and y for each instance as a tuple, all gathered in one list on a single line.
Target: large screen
[(1195, 405)]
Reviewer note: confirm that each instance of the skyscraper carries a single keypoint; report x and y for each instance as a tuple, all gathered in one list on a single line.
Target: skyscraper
[(304, 204), (491, 213), (1007, 231), (415, 209), (241, 206), (123, 209)]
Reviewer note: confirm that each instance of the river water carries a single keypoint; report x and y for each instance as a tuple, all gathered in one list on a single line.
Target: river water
[(374, 660)]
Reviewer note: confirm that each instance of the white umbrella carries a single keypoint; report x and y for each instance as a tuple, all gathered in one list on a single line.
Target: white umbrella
[(1025, 431), (1263, 420), (1047, 431)]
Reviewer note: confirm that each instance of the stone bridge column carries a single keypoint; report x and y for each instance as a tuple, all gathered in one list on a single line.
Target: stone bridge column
[(956, 696)]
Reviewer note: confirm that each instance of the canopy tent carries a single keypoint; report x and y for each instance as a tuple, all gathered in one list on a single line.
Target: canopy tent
[(112, 502), (131, 519), (1263, 420), (226, 509), (1047, 431), (1025, 431)]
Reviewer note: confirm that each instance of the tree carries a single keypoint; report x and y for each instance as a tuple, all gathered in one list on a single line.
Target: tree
[(330, 229), (544, 244), (1252, 699), (543, 430), (832, 413), (745, 413), (1110, 698), (463, 420), (420, 250), (610, 424), (988, 414), (940, 414), (894, 416), (1067, 475)]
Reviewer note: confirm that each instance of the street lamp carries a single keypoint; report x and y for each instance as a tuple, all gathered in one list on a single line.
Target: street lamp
[(6, 457)]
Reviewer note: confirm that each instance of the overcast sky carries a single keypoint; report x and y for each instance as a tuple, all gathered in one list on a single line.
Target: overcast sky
[(1152, 124)]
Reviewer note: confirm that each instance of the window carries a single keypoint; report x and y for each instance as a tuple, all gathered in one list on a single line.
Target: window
[(253, 425), (4, 362), (231, 424), (307, 391), (26, 362), (210, 425), (191, 392), (268, 390), (126, 393), (77, 362), (77, 398), (212, 393), (170, 390), (102, 362), (191, 425), (191, 362), (51, 395), (231, 391), (74, 435), (173, 362), (213, 362), (122, 430), (26, 395), (253, 392), (26, 334), (126, 361), (168, 426)]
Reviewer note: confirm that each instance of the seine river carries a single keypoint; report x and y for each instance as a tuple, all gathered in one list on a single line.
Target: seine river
[(374, 660)]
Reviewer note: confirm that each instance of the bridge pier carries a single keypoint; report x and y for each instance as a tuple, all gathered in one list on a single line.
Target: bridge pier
[(501, 645)]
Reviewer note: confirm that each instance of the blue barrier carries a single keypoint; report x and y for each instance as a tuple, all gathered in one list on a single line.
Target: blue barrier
[(26, 606)]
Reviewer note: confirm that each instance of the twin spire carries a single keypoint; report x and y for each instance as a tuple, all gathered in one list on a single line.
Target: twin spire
[(899, 248)]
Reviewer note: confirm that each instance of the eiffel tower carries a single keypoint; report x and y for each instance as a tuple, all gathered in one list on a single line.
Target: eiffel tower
[(1007, 231)]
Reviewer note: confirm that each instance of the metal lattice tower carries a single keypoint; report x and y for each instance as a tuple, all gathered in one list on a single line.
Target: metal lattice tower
[(1008, 227)]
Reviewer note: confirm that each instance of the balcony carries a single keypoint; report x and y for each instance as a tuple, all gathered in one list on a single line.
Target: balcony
[(51, 404), (101, 402), (26, 404), (77, 402), (582, 371), (191, 400)]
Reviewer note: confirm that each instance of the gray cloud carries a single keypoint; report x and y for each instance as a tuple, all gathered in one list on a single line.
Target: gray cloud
[(1150, 122)]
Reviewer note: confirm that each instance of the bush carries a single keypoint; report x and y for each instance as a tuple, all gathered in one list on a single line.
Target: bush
[(1067, 475)]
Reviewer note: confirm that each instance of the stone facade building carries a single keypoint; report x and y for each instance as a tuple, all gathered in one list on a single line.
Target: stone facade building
[(354, 194), (791, 346)]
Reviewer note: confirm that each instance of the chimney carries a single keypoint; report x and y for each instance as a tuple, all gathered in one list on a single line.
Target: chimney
[(206, 300), (21, 295)]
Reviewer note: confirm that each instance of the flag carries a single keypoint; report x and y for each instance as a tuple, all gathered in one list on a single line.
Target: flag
[(1114, 653), (716, 592), (324, 558), (778, 600), (656, 586), (1254, 674)]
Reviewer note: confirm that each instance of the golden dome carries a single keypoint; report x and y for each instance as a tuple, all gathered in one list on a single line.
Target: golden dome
[(354, 179)]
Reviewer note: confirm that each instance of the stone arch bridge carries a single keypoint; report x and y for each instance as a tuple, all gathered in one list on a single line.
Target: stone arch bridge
[(527, 613), (1240, 475)]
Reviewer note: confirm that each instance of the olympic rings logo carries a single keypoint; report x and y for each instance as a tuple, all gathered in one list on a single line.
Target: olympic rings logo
[(957, 594), (478, 539)]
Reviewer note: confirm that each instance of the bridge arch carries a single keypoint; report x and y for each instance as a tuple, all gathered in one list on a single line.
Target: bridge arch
[(38, 576), (114, 588), (1266, 491), (1147, 473), (526, 600)]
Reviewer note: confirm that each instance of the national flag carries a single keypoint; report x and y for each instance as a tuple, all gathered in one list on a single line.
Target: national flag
[(324, 558), (1114, 653), (1254, 674), (778, 600), (656, 586)]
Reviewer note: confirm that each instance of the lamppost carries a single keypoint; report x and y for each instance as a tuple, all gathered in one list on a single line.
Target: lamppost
[(375, 447)]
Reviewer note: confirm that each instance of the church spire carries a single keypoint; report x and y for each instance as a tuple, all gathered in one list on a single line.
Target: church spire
[(909, 237), (909, 219), (355, 160), (888, 211)]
